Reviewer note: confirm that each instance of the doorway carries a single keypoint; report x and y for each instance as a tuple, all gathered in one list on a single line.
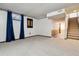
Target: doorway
[(59, 28)]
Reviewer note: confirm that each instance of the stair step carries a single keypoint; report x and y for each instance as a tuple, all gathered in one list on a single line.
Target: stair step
[(73, 37), (73, 29), (73, 33), (77, 33)]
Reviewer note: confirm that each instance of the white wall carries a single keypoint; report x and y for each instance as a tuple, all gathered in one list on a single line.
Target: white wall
[(27, 31), (72, 15), (30, 31), (3, 24), (16, 25), (45, 27)]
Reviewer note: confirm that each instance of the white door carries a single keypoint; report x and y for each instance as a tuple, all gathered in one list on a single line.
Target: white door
[(3, 24), (16, 27)]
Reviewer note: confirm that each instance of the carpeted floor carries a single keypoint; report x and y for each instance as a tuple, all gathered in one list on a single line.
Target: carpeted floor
[(40, 46)]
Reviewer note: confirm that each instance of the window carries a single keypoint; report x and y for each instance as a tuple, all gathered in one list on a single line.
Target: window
[(29, 23)]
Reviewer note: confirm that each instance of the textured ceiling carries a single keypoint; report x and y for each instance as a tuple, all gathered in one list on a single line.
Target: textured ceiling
[(36, 10), (72, 9)]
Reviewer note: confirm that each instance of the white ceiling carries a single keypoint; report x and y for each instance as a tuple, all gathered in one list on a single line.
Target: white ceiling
[(36, 10)]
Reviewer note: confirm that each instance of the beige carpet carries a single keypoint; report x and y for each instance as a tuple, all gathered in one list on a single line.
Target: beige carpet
[(40, 46)]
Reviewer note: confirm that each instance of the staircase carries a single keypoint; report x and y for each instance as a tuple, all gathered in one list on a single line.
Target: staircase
[(73, 28)]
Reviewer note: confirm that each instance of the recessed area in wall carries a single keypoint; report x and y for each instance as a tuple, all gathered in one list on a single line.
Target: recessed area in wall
[(29, 23)]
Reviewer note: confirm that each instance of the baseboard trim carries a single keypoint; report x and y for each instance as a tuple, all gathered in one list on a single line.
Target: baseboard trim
[(44, 36), (65, 38), (38, 35), (3, 42), (73, 38), (29, 37)]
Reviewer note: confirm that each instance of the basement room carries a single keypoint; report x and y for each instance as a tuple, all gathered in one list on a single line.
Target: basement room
[(39, 29)]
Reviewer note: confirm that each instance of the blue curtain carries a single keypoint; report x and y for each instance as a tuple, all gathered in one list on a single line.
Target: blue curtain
[(10, 32), (22, 28)]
